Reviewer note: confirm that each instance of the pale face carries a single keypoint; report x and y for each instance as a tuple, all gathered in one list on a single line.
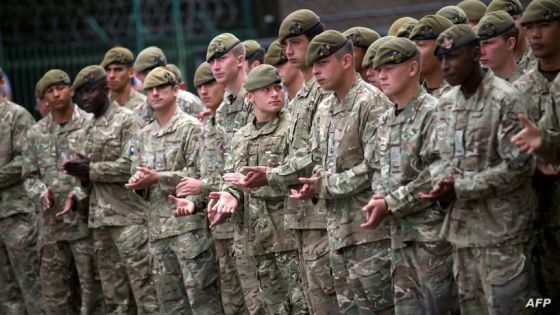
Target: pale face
[(373, 77), (394, 78), (226, 67), (296, 49), (268, 100), (161, 97), (118, 77), (211, 94), (288, 72), (328, 72), (495, 52)]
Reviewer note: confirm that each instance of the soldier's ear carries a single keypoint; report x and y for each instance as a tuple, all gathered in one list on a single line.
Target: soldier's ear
[(475, 53), (249, 96), (348, 61)]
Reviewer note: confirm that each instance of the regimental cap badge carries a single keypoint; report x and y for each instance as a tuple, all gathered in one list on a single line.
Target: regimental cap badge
[(324, 50), (295, 28)]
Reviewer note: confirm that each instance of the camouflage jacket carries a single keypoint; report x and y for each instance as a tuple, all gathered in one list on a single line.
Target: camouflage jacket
[(170, 150), (189, 103), (439, 91), (517, 73), (264, 230), (302, 214), (210, 165), (471, 141), (186, 101), (339, 136), (527, 61), (234, 112), (550, 126), (14, 123), (47, 147), (135, 99), (109, 148), (401, 170), (536, 88)]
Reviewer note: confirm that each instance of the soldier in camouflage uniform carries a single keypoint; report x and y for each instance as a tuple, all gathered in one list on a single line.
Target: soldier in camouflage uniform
[(226, 55), (149, 59), (362, 38), (372, 77), (116, 215), (424, 36), (483, 178), (345, 121), (291, 76), (118, 66), (186, 101), (183, 264), (64, 241), (266, 238), (498, 38), (542, 24), (523, 54), (42, 106), (19, 266), (209, 165), (303, 216), (422, 263)]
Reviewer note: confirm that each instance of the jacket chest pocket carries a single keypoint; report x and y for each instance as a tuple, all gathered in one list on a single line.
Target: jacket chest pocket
[(271, 151)]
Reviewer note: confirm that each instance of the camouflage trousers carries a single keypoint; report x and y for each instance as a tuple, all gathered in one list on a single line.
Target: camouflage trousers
[(492, 280), (423, 279), (315, 265), (230, 286), (123, 261), (20, 291), (58, 259), (362, 278), (546, 258), (186, 274), (280, 283), (247, 271)]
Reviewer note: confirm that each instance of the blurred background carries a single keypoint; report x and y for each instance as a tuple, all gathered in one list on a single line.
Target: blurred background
[(37, 35)]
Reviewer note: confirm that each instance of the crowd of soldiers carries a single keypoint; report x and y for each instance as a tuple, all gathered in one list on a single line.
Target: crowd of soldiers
[(335, 173)]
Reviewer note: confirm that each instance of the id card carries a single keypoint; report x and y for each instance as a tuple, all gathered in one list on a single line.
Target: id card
[(459, 142)]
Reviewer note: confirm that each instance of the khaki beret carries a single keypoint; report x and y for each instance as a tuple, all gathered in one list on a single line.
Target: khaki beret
[(276, 54), (39, 88), (176, 71), (453, 38), (150, 58), (52, 77), (361, 36), (297, 23), (494, 24), (261, 76), (540, 11), (513, 7), (251, 47), (324, 45), (394, 28), (405, 30), (474, 9), (159, 76), (88, 76), (203, 75), (395, 51), (372, 51), (220, 45), (454, 14), (429, 27), (117, 55)]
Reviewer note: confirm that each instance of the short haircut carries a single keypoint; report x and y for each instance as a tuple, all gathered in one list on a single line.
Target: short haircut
[(348, 48), (238, 50), (512, 32), (257, 55), (314, 31)]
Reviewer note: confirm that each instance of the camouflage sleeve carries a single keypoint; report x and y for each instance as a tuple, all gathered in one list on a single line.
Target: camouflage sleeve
[(168, 180), (513, 169), (372, 155), (118, 171), (232, 165), (34, 187), (357, 178), (404, 200), (549, 150), (10, 173)]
